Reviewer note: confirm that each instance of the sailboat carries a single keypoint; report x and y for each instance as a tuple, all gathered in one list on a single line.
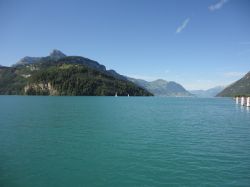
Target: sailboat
[(128, 95), (115, 94)]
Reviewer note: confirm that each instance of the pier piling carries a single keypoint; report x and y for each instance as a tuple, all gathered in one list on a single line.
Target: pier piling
[(237, 100), (248, 101), (243, 101)]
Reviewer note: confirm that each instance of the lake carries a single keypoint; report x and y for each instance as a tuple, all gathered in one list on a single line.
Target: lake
[(123, 141)]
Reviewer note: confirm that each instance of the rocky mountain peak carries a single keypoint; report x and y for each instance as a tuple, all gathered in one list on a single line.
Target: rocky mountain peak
[(57, 54)]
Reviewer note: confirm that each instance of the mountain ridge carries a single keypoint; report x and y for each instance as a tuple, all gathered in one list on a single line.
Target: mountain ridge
[(158, 87), (58, 74), (161, 87), (240, 87), (55, 54)]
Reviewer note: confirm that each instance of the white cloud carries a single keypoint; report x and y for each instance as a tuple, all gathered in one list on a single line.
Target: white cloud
[(182, 26), (218, 5), (234, 74)]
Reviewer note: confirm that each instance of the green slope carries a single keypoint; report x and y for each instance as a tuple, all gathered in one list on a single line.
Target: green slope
[(65, 76), (240, 87)]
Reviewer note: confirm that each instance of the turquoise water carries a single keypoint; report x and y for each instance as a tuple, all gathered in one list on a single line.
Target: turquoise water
[(135, 141)]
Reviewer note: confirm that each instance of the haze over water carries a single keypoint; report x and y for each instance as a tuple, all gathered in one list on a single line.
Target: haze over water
[(135, 141)]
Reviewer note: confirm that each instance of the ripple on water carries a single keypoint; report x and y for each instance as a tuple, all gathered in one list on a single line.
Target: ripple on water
[(136, 141)]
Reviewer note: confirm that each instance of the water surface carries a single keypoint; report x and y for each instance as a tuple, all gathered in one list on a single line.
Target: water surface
[(135, 141)]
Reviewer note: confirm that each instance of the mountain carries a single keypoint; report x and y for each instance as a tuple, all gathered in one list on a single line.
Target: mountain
[(161, 87), (212, 92), (27, 60), (54, 55), (240, 87), (58, 74)]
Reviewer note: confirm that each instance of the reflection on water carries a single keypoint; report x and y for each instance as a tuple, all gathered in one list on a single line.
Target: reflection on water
[(240, 108), (248, 109)]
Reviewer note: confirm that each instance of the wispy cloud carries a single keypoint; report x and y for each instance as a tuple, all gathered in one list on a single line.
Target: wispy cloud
[(218, 5), (233, 74), (182, 26)]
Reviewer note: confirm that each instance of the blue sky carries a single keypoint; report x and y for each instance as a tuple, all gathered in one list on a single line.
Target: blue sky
[(199, 44)]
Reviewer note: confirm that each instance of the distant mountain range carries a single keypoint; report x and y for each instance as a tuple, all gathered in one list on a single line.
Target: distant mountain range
[(58, 74), (161, 87), (240, 87), (212, 92)]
